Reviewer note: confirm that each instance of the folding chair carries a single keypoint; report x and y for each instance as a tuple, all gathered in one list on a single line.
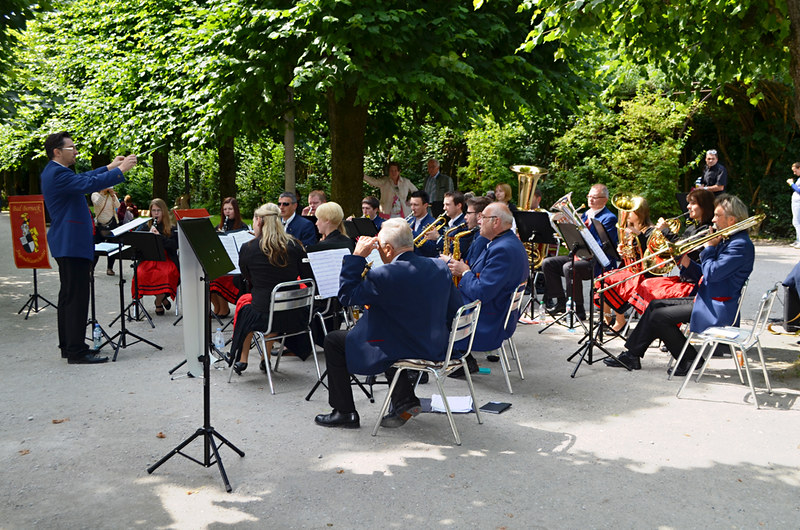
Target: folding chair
[(464, 325), (738, 338), (286, 296), (690, 336), (516, 302)]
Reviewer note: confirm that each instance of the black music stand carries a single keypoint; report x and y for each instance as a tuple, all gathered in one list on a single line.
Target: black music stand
[(99, 250), (33, 300), (534, 228), (363, 227), (146, 247), (611, 251), (578, 249), (215, 262), (122, 253)]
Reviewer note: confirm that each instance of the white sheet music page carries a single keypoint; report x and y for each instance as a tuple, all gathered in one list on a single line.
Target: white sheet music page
[(327, 266), (132, 225), (242, 237), (230, 247)]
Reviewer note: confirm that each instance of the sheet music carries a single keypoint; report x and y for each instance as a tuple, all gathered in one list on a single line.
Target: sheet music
[(375, 258), (230, 247), (116, 249), (132, 225), (105, 247), (241, 238), (327, 266), (594, 246)]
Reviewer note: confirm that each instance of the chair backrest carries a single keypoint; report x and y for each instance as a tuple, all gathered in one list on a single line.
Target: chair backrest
[(516, 301), (464, 325), (762, 316), (287, 296), (741, 300)]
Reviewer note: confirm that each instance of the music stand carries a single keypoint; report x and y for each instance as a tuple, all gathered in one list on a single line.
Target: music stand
[(364, 227), (437, 208), (578, 249), (146, 247), (611, 251), (534, 228), (100, 249), (207, 251)]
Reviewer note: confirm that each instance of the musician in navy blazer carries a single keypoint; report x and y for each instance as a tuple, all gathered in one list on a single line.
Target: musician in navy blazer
[(419, 221), (454, 204), (725, 265), (295, 225), (71, 237), (493, 276), (399, 323), (557, 266)]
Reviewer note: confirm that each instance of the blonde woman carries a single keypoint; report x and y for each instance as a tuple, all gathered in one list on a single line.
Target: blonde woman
[(330, 225), (159, 278), (271, 258)]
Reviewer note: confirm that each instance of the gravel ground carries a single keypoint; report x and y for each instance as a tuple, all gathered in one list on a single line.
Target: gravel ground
[(606, 449)]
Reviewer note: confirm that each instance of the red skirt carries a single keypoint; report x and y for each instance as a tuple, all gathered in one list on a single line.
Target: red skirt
[(659, 288), (618, 297), (224, 287), (156, 277)]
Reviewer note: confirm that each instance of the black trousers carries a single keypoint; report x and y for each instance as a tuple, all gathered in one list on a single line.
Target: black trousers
[(340, 392), (556, 267), (660, 321), (73, 305)]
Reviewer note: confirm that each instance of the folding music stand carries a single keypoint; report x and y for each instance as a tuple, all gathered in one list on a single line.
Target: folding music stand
[(207, 253), (100, 249), (578, 249), (611, 251), (146, 246), (364, 227), (534, 228)]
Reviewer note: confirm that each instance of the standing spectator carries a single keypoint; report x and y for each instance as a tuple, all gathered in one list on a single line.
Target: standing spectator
[(106, 206), (127, 211), (715, 176), (315, 198), (437, 183), (394, 192), (795, 184)]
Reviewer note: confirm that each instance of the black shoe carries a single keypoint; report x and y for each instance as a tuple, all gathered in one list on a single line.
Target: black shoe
[(263, 366), (423, 377), (167, 304), (632, 362), (580, 313), (722, 350), (682, 369), (492, 358), (87, 358), (239, 367), (347, 420), (558, 308), (472, 365), (401, 414)]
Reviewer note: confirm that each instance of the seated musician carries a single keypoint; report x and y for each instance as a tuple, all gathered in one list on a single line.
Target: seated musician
[(454, 209), (631, 249), (491, 278), (315, 198), (419, 221), (223, 289), (295, 225), (701, 210), (331, 227), (471, 246), (725, 264), (159, 278), (369, 210), (271, 258), (388, 331), (558, 266)]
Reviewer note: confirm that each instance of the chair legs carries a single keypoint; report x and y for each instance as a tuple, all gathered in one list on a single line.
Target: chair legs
[(680, 357)]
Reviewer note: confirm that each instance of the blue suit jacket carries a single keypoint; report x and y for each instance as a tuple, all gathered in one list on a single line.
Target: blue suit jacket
[(399, 322), (725, 268), (476, 247), (496, 273), (302, 229), (440, 242), (71, 224), (609, 222), (428, 248), (378, 221)]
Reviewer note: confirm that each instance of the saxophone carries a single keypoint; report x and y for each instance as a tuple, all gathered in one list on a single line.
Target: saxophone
[(448, 238), (457, 248)]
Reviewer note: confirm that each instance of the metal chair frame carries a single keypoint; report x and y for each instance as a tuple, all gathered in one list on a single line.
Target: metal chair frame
[(286, 296), (464, 325), (516, 303), (738, 338)]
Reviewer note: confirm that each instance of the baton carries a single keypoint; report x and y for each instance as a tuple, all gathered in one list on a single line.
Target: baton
[(151, 150)]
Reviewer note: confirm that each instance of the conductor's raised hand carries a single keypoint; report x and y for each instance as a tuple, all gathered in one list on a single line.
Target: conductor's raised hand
[(116, 162), (127, 163)]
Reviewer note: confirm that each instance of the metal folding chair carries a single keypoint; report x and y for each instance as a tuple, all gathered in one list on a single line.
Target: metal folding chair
[(464, 325), (286, 296), (738, 338), (516, 303)]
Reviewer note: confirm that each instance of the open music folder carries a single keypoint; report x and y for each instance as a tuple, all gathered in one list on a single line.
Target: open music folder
[(233, 244)]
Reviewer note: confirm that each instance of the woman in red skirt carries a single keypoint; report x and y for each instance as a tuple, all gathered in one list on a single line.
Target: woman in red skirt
[(159, 278), (224, 289)]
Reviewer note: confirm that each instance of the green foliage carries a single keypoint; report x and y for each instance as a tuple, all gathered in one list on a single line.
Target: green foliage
[(635, 151)]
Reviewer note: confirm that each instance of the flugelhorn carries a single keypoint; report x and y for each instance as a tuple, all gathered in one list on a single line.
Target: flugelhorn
[(679, 248), (435, 225)]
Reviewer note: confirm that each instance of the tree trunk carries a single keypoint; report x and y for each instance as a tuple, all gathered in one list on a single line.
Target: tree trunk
[(289, 169), (160, 175), (187, 179), (348, 125), (793, 7), (227, 169)]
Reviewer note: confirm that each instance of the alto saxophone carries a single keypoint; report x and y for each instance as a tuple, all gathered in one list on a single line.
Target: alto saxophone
[(457, 248), (448, 238)]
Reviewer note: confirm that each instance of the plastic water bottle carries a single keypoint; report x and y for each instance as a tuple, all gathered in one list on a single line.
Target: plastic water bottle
[(571, 322), (219, 340), (542, 313), (97, 335), (569, 304)]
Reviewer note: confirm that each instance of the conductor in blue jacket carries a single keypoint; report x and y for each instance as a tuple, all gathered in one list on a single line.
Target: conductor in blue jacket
[(71, 237), (296, 225), (412, 301), (492, 277), (725, 264)]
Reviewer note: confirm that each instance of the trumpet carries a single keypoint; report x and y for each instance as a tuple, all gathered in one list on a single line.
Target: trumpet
[(655, 260), (435, 225)]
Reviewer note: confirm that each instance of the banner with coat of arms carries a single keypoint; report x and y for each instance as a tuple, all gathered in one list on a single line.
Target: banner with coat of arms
[(28, 231)]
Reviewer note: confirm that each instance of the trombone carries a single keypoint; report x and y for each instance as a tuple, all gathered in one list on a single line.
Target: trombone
[(435, 225), (679, 248)]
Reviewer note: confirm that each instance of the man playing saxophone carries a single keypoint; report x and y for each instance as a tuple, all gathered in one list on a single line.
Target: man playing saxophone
[(725, 264)]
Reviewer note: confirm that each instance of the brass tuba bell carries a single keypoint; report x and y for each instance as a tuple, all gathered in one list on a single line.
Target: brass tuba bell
[(527, 178)]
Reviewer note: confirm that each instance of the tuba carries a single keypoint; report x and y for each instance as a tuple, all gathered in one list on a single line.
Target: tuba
[(630, 249), (527, 178)]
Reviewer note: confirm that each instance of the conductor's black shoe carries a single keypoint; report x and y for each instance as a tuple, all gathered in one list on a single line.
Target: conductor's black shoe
[(87, 358), (557, 308), (472, 364), (683, 368), (401, 414), (239, 367), (346, 420), (632, 362)]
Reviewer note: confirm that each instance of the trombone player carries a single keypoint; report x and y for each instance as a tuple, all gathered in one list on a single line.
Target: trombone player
[(725, 264)]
